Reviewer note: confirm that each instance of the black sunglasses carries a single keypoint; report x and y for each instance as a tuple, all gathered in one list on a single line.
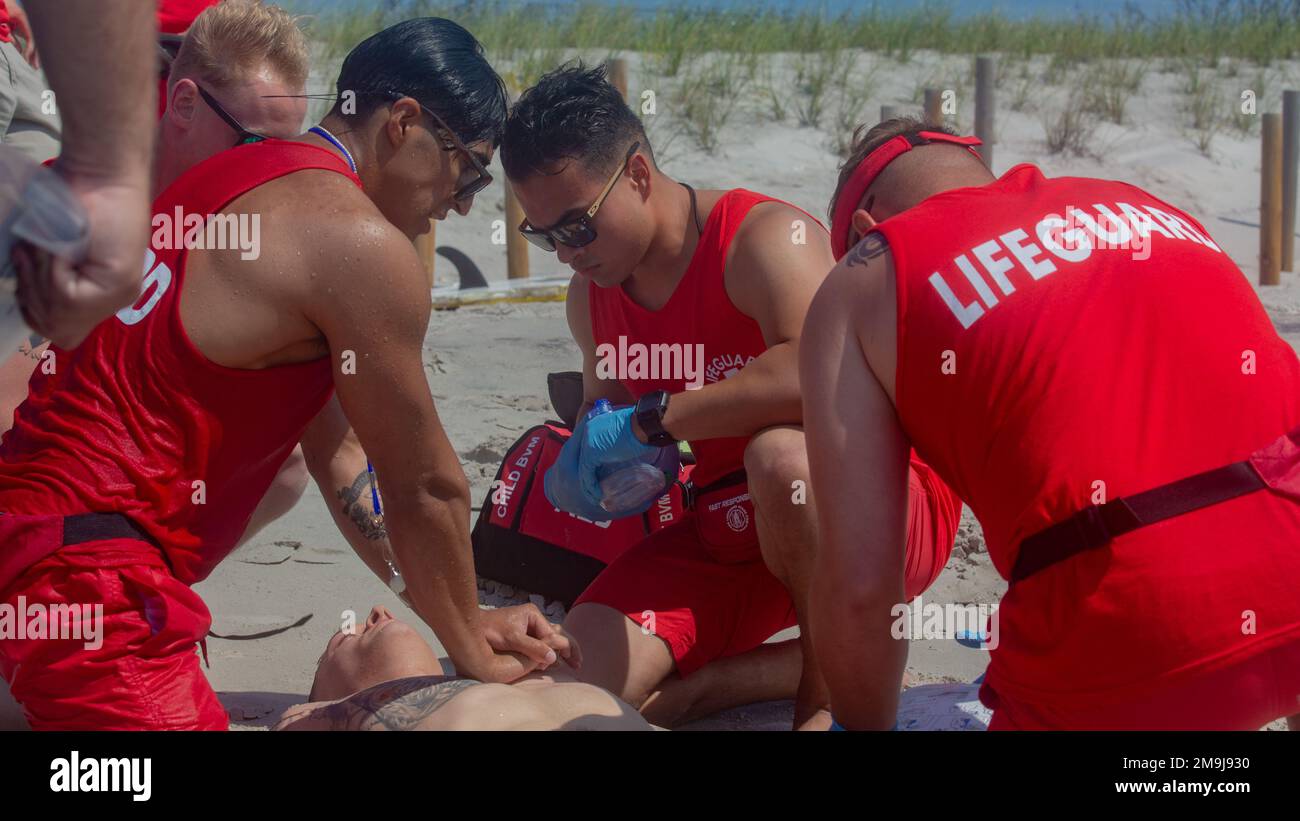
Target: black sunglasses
[(244, 135), (483, 180), (169, 45), (576, 233)]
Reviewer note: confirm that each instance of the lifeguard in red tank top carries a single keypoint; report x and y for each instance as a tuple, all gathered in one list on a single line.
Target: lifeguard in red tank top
[(1083, 369), (704, 577), (136, 420), (698, 312)]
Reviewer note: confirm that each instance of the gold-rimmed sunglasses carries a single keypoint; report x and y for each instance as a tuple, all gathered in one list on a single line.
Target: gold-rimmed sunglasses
[(577, 232)]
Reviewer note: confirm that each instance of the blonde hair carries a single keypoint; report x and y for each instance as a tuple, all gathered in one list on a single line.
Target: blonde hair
[(232, 39)]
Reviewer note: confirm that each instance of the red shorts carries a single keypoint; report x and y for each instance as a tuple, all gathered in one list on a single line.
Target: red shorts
[(1244, 695), (139, 671), (933, 513), (701, 584)]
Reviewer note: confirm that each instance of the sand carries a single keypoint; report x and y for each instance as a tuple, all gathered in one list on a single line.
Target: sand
[(486, 366)]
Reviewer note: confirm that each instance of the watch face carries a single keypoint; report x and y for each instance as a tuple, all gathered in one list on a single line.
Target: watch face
[(652, 403), (649, 413)]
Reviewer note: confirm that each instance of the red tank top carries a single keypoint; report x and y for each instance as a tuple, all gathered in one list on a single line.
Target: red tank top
[(176, 16), (6, 31), (699, 318), (1039, 370), (136, 417)]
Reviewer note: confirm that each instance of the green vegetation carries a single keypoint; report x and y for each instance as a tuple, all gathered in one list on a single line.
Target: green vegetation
[(707, 67), (1203, 30)]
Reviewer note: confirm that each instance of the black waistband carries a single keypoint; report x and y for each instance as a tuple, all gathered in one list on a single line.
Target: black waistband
[(93, 527), (691, 492), (1096, 525)]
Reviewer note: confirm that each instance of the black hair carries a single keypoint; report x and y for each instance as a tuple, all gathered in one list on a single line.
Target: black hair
[(573, 113), (435, 61)]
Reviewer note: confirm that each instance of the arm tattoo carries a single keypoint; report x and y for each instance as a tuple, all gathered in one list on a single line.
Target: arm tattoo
[(871, 246), (357, 507), (393, 705)]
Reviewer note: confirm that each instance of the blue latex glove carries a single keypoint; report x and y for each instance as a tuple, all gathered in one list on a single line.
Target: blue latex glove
[(562, 486), (603, 440)]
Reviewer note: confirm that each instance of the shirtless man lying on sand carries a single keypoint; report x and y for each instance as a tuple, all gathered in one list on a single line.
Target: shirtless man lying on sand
[(385, 676)]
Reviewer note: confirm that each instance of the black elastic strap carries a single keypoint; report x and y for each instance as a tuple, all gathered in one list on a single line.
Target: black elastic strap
[(93, 527), (691, 492), (169, 45), (1097, 525), (695, 213)]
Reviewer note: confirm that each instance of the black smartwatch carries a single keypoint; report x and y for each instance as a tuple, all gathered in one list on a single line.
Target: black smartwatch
[(650, 410)]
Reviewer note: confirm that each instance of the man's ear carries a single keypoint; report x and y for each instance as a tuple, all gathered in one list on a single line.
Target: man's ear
[(402, 117), (862, 222), (183, 102), (638, 168)]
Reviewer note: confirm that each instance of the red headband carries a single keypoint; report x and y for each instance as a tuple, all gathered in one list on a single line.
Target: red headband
[(867, 171)]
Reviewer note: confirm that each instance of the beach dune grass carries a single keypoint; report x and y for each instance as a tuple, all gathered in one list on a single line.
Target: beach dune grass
[(1203, 30), (812, 67)]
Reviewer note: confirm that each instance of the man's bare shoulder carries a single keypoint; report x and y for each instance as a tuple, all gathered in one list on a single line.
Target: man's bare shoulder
[(318, 230), (862, 283), (779, 233), (765, 216), (334, 229), (777, 254), (864, 276), (773, 220), (324, 204)]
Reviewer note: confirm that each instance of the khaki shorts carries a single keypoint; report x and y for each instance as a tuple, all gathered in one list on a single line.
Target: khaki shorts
[(28, 119)]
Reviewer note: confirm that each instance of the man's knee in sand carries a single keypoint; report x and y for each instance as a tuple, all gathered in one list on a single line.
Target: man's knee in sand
[(776, 465)]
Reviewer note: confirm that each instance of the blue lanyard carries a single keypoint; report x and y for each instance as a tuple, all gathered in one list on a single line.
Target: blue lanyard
[(334, 141)]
